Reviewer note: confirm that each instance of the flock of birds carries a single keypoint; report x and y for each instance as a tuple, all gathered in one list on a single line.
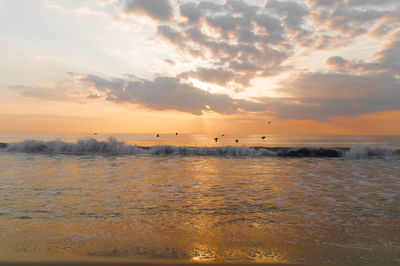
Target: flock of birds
[(216, 139)]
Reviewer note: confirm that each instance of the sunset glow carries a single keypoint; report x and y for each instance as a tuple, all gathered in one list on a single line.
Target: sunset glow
[(313, 67)]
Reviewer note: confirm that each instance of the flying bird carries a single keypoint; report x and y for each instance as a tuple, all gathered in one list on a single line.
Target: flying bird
[(176, 134), (263, 137), (95, 133), (158, 135), (269, 123), (236, 140), (216, 139), (223, 135)]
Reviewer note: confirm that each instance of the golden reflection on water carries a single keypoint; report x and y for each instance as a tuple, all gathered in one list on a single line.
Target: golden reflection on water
[(197, 208)]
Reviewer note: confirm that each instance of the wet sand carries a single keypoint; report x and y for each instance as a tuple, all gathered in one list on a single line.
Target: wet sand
[(153, 263)]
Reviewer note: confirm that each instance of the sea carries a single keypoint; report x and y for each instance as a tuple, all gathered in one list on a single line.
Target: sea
[(331, 200)]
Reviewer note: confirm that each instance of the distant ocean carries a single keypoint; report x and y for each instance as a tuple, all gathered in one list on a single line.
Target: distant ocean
[(294, 199)]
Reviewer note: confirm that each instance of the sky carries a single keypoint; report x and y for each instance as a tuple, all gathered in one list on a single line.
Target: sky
[(200, 67)]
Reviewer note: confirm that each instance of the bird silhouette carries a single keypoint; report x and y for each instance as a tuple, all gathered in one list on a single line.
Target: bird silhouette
[(176, 134), (269, 123), (158, 135), (216, 139), (236, 140), (95, 133), (263, 137)]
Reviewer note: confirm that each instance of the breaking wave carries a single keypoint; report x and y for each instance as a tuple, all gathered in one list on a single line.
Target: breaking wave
[(114, 147)]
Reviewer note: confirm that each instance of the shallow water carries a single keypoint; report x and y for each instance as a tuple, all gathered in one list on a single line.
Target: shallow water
[(200, 208)]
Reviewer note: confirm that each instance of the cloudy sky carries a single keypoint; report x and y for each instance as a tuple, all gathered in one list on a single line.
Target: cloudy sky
[(144, 66)]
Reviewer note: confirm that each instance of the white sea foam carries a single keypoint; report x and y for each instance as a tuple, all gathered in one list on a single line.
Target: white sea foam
[(365, 151), (114, 147), (88, 146)]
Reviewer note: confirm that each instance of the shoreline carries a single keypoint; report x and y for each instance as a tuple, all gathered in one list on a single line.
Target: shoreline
[(16, 259), (145, 263)]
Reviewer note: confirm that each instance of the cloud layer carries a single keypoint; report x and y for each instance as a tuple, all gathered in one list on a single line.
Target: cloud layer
[(156, 9), (235, 41), (230, 43), (166, 93)]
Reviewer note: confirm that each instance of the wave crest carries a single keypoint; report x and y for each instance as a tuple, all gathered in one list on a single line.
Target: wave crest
[(88, 146), (114, 147), (365, 151)]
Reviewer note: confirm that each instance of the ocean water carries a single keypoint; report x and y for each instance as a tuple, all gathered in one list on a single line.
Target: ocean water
[(295, 199)]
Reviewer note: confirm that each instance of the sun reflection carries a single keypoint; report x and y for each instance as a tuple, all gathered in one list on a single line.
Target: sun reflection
[(203, 253), (195, 208)]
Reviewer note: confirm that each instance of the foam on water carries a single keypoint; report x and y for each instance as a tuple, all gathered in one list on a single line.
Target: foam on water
[(365, 151), (114, 147), (216, 204)]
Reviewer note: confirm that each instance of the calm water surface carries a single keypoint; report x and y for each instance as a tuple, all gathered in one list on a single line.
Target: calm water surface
[(202, 208)]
